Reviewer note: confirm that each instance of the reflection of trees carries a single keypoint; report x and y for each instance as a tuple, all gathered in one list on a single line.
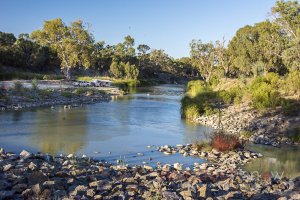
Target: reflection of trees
[(60, 131), (276, 160)]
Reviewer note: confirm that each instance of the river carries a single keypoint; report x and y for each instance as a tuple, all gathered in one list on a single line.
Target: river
[(119, 129)]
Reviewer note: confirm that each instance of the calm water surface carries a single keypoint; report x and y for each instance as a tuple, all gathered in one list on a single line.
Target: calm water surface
[(124, 127)]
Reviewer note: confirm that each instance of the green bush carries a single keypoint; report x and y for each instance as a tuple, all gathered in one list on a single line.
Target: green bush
[(67, 94), (34, 84), (46, 92), (292, 82), (198, 100), (264, 91)]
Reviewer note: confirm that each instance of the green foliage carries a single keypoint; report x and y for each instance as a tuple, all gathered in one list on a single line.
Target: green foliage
[(292, 82), (46, 93), (198, 100), (80, 90), (34, 84), (27, 76), (265, 96), (67, 94), (203, 146)]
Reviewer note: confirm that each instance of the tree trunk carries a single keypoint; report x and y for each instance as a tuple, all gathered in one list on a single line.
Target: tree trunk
[(68, 73)]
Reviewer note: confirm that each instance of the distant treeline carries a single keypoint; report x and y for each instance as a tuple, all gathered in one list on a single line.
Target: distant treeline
[(269, 46)]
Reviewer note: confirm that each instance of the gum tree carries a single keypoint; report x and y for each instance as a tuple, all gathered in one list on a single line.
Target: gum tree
[(73, 43)]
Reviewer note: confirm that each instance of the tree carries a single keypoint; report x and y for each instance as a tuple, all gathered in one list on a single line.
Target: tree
[(131, 71), (257, 49), (7, 39), (203, 57), (73, 43), (117, 69), (287, 16), (223, 59)]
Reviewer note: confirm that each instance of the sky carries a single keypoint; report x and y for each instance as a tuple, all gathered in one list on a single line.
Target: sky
[(162, 24)]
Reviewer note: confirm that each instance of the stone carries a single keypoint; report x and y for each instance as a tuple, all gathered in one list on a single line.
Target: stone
[(27, 193), (4, 185), (36, 189), (148, 167), (167, 195), (7, 167), (32, 166), (59, 194), (178, 166), (20, 187), (90, 193), (25, 154), (186, 194), (202, 190), (36, 177)]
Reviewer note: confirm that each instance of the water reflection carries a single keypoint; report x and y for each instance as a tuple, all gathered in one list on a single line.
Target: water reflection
[(280, 161), (60, 131)]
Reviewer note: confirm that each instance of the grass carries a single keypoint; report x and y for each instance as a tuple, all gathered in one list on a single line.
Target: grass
[(67, 94)]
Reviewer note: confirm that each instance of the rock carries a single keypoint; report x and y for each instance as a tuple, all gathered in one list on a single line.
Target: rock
[(167, 195), (178, 166), (59, 194), (36, 177), (166, 168), (90, 193), (148, 167), (186, 194), (132, 188), (36, 189), (7, 167), (202, 190), (27, 193), (70, 155), (203, 166), (32, 166), (140, 154), (80, 190), (25, 154)]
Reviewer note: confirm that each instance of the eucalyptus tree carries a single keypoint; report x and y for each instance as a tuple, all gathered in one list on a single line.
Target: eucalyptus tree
[(203, 58), (287, 15), (73, 43)]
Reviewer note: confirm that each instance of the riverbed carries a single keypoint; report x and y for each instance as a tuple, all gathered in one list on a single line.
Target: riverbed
[(128, 128)]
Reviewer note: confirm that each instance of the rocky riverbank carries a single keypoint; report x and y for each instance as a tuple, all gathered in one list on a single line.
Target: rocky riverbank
[(41, 176), (25, 98), (269, 128)]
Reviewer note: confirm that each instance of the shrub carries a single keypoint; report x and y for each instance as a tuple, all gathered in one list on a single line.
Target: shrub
[(67, 94), (80, 91), (190, 112), (264, 96), (45, 93), (34, 84), (225, 142), (203, 146), (292, 82)]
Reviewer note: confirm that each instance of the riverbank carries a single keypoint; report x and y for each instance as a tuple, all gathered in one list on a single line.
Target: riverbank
[(271, 127), (27, 176), (25, 95)]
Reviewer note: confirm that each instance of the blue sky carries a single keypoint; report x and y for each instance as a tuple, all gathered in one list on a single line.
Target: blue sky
[(162, 24)]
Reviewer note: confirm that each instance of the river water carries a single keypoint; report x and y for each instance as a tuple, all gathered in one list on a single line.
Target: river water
[(113, 130)]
